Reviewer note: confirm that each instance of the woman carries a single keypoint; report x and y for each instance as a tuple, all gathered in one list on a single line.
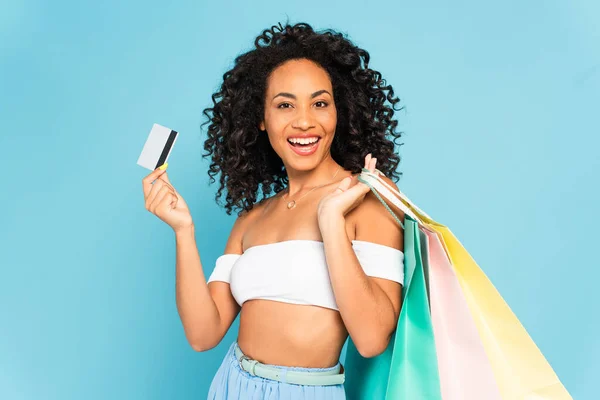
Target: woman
[(319, 257)]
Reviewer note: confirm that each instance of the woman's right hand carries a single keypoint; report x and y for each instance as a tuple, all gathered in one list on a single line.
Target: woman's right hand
[(164, 201)]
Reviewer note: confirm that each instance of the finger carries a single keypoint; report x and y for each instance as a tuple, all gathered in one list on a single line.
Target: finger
[(359, 189), (176, 197), (165, 204), (164, 192), (166, 182), (156, 186), (169, 202), (147, 181), (165, 177), (151, 195), (372, 165), (345, 183), (156, 194)]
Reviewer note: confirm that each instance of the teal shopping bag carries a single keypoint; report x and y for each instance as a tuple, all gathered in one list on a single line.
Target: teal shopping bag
[(407, 369)]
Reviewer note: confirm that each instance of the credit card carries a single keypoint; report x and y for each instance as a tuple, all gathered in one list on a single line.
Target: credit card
[(157, 148)]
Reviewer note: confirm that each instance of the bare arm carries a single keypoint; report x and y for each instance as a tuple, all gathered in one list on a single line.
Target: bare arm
[(206, 310), (369, 306)]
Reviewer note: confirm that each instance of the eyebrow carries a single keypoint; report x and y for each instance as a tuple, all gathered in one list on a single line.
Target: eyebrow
[(291, 96)]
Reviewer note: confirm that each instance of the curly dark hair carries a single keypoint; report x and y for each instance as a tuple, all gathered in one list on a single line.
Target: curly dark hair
[(243, 154)]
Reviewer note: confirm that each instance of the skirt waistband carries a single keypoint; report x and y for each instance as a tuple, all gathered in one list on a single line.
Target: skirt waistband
[(333, 376)]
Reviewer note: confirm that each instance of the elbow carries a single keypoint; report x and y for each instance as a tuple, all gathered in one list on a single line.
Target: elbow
[(372, 347), (202, 336), (370, 351), (200, 346)]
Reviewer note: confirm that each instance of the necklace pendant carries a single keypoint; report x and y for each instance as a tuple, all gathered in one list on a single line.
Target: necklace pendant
[(291, 204)]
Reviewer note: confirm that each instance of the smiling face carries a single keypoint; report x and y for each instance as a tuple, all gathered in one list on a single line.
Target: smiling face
[(300, 114)]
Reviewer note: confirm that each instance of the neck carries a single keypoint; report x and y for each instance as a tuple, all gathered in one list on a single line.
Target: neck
[(299, 181)]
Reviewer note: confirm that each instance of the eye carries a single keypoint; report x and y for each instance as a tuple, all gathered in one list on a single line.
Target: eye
[(322, 102), (284, 104)]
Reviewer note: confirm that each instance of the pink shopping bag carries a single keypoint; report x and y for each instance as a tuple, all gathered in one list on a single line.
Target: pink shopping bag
[(464, 367)]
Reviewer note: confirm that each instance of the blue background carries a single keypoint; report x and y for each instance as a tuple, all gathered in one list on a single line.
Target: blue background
[(501, 145)]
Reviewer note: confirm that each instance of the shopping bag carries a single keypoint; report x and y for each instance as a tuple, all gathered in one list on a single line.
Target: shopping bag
[(408, 368), (425, 258), (414, 369), (367, 378), (464, 368), (519, 368)]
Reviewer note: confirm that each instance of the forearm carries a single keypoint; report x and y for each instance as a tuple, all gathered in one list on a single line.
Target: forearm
[(197, 310), (364, 307)]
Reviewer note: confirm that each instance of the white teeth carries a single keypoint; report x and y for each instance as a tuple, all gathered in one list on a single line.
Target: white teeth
[(304, 140)]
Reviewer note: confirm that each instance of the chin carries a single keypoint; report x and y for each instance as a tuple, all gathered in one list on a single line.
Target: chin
[(302, 165), (301, 162)]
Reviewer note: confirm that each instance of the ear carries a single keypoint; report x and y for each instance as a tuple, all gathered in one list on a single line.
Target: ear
[(262, 125)]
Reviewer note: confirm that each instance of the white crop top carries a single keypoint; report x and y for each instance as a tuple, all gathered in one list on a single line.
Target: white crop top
[(295, 271)]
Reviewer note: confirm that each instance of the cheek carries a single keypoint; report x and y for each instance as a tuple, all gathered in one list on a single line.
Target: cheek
[(329, 121), (275, 122), (275, 126)]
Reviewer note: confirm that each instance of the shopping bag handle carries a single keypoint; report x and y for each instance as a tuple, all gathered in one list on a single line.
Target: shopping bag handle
[(397, 198)]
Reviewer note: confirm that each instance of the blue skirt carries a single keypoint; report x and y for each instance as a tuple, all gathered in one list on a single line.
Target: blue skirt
[(231, 382)]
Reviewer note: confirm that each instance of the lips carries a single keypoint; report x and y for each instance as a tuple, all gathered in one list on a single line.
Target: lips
[(304, 150)]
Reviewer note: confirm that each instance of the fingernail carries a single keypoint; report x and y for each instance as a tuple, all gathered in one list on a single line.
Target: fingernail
[(164, 166)]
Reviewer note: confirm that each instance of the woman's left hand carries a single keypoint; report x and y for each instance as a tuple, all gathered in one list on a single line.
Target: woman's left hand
[(346, 196)]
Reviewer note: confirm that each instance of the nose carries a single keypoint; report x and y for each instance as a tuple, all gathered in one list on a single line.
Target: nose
[(303, 120)]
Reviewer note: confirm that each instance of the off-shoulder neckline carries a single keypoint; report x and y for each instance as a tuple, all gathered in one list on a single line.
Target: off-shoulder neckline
[(318, 242)]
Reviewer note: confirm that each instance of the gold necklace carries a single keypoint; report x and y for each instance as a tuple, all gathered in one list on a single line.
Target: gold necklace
[(292, 203)]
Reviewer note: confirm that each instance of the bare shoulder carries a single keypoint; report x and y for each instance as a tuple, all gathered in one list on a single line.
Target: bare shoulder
[(234, 242), (373, 222)]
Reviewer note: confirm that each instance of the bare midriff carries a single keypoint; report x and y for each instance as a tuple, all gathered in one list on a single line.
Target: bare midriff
[(293, 335)]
